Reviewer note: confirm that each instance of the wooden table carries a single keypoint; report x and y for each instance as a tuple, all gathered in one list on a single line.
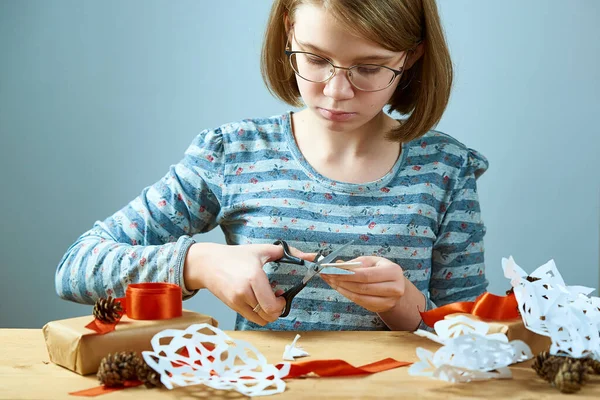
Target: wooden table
[(26, 373)]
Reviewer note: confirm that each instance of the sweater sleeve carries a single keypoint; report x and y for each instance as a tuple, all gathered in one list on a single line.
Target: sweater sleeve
[(458, 270), (147, 240)]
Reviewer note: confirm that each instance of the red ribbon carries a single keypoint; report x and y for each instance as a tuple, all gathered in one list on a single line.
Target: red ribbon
[(323, 368), (487, 306), (99, 390), (145, 301), (328, 368)]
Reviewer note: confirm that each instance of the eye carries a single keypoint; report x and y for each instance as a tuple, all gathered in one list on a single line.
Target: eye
[(316, 60), (368, 69)]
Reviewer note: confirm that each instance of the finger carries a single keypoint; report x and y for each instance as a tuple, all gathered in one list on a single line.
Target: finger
[(379, 289), (246, 312), (269, 252), (385, 272), (371, 303), (300, 254), (271, 305), (254, 303)]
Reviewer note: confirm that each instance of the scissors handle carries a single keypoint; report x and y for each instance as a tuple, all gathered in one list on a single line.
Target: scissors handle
[(287, 254), (289, 296)]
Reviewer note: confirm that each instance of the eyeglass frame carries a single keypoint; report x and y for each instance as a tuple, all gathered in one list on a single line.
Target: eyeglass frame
[(397, 72)]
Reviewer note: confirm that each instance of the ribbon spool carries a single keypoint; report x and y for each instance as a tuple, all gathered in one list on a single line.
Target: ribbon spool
[(153, 301), (145, 301)]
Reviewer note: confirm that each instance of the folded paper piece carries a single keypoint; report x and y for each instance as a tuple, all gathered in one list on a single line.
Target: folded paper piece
[(292, 351), (342, 268), (550, 308), (336, 271), (468, 353), (213, 359), (514, 329)]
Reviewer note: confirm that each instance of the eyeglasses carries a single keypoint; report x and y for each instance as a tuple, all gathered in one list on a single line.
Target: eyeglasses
[(365, 77)]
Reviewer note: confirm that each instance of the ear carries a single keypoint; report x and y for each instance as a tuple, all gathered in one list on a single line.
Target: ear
[(286, 23), (414, 55)]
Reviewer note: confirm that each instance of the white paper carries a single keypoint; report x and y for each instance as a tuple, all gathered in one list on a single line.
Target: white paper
[(291, 351), (336, 271), (468, 352), (230, 365), (344, 268), (550, 308)]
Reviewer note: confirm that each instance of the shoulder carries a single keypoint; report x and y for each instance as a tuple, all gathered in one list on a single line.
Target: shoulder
[(223, 138), (250, 128), (448, 152)]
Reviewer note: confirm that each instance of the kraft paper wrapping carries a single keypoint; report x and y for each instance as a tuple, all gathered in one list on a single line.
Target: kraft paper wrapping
[(515, 330), (71, 345)]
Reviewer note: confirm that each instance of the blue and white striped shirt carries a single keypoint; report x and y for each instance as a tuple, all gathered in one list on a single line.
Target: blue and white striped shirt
[(250, 179)]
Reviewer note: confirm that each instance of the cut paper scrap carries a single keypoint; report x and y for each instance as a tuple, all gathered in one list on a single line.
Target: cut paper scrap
[(292, 351), (213, 359), (566, 314), (468, 352)]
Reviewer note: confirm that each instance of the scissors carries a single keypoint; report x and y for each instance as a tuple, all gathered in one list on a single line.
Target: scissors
[(313, 268)]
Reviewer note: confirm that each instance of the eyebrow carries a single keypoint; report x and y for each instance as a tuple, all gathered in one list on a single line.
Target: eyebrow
[(375, 57)]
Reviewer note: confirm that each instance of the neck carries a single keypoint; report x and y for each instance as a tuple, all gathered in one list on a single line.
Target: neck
[(328, 144)]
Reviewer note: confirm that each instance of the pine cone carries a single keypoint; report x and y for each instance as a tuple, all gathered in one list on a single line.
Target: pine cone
[(571, 376), (547, 365), (592, 365), (107, 310), (147, 375), (117, 368)]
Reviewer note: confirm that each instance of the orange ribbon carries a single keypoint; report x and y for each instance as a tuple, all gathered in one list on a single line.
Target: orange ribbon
[(152, 301), (99, 390), (329, 368), (323, 368), (145, 301), (487, 306)]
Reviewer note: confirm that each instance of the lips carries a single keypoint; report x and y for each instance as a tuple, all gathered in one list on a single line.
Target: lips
[(336, 115)]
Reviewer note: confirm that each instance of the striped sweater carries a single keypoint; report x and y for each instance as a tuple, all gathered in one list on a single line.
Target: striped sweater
[(250, 179)]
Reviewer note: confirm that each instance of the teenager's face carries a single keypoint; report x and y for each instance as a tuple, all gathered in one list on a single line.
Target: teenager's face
[(337, 104)]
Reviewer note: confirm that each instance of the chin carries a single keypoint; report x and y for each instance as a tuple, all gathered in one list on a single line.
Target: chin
[(339, 126)]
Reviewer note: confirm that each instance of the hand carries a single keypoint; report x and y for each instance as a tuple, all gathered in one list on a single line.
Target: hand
[(235, 275), (377, 285)]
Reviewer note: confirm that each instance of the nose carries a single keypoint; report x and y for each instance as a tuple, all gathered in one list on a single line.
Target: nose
[(339, 87)]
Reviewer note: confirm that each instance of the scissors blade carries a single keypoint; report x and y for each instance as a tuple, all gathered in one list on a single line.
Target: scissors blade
[(332, 256), (317, 267)]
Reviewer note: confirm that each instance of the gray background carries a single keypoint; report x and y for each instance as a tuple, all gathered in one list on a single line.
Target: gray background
[(98, 98)]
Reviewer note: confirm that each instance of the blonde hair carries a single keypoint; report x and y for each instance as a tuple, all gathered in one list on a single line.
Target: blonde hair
[(397, 25)]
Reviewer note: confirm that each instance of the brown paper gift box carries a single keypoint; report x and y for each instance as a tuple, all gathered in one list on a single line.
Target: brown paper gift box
[(73, 346), (515, 330)]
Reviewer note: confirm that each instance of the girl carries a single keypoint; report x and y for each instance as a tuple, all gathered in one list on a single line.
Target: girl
[(338, 170)]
